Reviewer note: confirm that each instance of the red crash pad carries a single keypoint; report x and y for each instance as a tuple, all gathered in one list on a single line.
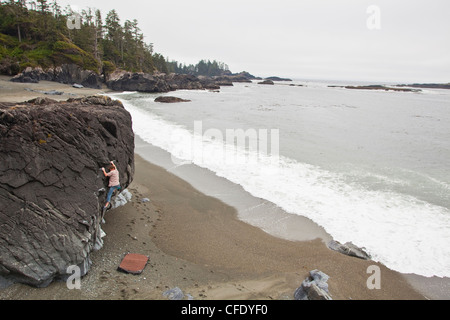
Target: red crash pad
[(133, 263)]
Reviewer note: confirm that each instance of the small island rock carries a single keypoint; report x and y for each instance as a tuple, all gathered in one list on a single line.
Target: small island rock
[(170, 99)]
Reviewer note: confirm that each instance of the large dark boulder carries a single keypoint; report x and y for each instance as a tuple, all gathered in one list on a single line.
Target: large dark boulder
[(51, 186), (30, 75), (71, 73)]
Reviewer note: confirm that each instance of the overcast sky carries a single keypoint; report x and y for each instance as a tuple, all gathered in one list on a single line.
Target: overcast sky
[(403, 41)]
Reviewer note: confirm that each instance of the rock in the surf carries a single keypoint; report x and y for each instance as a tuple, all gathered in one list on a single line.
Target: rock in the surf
[(349, 249)]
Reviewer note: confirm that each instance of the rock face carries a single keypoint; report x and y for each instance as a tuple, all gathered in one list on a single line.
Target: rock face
[(67, 73), (51, 185), (183, 81)]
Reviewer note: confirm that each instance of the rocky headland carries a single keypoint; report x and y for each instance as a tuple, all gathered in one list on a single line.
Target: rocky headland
[(121, 80), (160, 82)]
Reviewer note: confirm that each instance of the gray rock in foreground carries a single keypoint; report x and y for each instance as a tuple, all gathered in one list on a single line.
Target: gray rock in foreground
[(50, 203), (174, 294), (315, 287)]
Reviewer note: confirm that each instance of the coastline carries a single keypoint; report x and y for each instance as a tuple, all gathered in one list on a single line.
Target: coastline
[(220, 257), (280, 224)]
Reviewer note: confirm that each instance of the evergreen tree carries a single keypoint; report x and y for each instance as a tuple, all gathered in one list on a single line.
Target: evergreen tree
[(56, 9), (202, 68), (43, 6), (17, 13), (45, 40), (98, 50), (114, 36)]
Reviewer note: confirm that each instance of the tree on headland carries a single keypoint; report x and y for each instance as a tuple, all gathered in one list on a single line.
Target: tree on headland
[(37, 33), (17, 10), (160, 63), (41, 28), (202, 68), (43, 6), (113, 42)]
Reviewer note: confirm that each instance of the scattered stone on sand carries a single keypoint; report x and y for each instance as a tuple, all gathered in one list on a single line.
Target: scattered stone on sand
[(315, 287), (174, 294)]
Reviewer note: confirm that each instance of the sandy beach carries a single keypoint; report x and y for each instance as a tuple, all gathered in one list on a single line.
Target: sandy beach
[(19, 92), (197, 243)]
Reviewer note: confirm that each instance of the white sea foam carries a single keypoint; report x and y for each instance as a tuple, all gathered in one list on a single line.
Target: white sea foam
[(402, 232), (124, 93)]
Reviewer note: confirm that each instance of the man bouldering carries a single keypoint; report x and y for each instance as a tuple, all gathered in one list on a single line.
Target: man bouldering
[(114, 183)]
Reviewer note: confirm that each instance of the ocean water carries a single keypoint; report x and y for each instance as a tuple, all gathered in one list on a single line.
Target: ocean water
[(370, 167)]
